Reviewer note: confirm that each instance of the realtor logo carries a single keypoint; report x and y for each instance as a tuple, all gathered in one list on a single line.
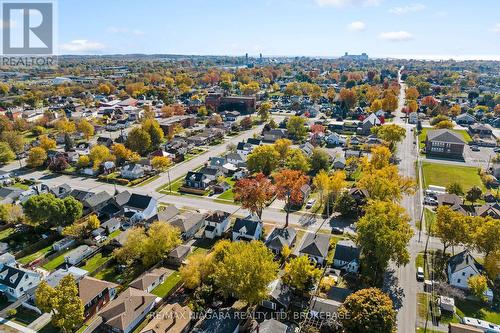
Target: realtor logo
[(28, 28)]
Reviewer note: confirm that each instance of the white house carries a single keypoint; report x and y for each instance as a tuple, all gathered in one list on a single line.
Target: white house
[(15, 281), (461, 267), (249, 228), (79, 254), (216, 224), (132, 171), (139, 207), (335, 139), (346, 256)]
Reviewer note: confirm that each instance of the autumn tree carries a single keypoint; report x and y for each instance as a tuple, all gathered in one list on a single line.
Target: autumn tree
[(348, 96), (391, 133), (289, 188), (11, 213), (123, 154), (196, 270), (390, 103), (385, 183), (36, 157), (282, 146), (139, 141), (14, 140), (263, 111), (47, 143), (297, 160), (485, 232), (450, 227), (63, 302), (6, 154), (478, 284), (322, 184), (234, 275), (254, 193), (301, 273), (296, 127), (263, 159), (412, 93), (368, 310), (152, 127), (383, 234), (161, 163), (99, 154), (64, 125), (86, 128)]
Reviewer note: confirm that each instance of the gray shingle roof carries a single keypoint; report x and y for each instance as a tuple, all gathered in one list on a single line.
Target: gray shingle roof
[(444, 135)]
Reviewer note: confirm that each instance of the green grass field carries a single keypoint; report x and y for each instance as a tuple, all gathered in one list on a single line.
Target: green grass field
[(468, 308), (6, 233), (56, 262), (445, 174), (170, 282), (40, 253), (95, 262)]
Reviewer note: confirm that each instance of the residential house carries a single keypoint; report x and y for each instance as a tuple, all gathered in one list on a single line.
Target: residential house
[(305, 190), (9, 195), (178, 255), (449, 199), (15, 282), (492, 209), (196, 180), (76, 256), (211, 173), (132, 171), (96, 202), (151, 279), (271, 326), (126, 311), (307, 148), (315, 246), (274, 134), (461, 267), (444, 143), (346, 256), (95, 294), (339, 163), (245, 148), (465, 119), (216, 224), (111, 225), (61, 191), (280, 237), (139, 207), (325, 309), (168, 213), (279, 296), (63, 244), (172, 318), (108, 142), (482, 135), (335, 139), (367, 124), (236, 159), (188, 223), (222, 321), (249, 228)]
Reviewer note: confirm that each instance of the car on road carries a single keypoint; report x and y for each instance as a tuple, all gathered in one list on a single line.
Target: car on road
[(420, 274), (337, 230), (497, 150), (475, 148), (310, 203)]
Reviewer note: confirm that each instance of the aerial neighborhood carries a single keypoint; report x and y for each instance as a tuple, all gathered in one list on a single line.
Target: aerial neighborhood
[(176, 194)]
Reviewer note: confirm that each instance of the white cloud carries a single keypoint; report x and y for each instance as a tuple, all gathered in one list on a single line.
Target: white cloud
[(120, 30), (396, 36), (496, 28), (346, 3), (82, 45), (356, 26), (416, 7)]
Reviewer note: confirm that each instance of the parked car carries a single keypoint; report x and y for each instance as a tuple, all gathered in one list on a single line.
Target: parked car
[(430, 201), (420, 274), (497, 150), (475, 148), (337, 230), (310, 203)]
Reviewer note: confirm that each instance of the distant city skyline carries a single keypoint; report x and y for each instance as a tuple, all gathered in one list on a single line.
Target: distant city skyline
[(424, 29)]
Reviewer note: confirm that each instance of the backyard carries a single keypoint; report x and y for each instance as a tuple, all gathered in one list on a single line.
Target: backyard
[(31, 257), (55, 262), (445, 174), (96, 261), (170, 282)]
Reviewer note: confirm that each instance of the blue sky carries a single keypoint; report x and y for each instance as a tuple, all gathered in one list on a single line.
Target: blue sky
[(461, 29)]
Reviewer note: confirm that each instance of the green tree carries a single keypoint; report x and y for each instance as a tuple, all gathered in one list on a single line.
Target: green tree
[(234, 275), (473, 194), (11, 213), (346, 205), (455, 188), (368, 311), (263, 111), (301, 273), (86, 128), (391, 133), (152, 127), (6, 154), (139, 140), (450, 227), (15, 141), (383, 234), (296, 127), (36, 157), (263, 159), (46, 208), (297, 160), (320, 160)]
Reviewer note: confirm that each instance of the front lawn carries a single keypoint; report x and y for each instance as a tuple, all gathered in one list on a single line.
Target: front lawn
[(430, 218), (468, 308), (40, 253), (170, 282), (444, 174)]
